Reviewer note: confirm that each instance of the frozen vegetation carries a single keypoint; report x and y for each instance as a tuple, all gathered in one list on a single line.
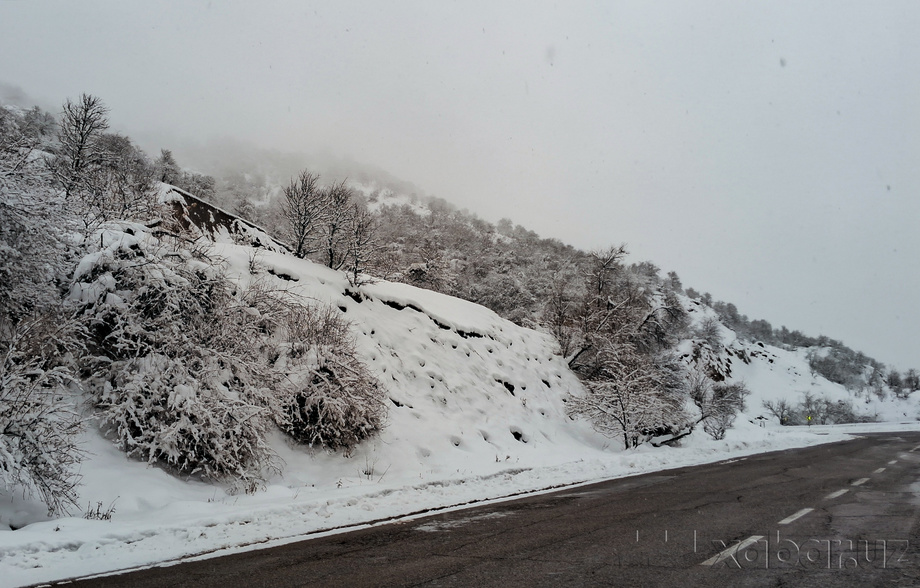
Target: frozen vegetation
[(178, 381)]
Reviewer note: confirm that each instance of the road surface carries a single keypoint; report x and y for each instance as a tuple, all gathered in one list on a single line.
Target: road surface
[(842, 514)]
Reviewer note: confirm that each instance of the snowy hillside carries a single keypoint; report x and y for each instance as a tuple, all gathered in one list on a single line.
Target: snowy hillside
[(774, 374), (461, 381), (476, 411)]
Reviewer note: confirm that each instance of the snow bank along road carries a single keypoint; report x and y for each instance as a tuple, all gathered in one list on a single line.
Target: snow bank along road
[(841, 514)]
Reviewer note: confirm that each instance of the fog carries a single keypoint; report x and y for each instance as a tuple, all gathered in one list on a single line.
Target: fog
[(766, 152)]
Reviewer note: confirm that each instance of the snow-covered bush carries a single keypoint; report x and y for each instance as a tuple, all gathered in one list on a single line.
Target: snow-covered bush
[(175, 369), (710, 331), (822, 411), (718, 402), (39, 422), (328, 398), (188, 369), (162, 412)]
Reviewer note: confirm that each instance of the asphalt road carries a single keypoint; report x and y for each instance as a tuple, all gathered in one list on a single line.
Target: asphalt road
[(739, 522)]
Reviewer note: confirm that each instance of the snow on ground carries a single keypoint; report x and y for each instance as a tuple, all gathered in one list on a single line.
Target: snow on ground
[(476, 412)]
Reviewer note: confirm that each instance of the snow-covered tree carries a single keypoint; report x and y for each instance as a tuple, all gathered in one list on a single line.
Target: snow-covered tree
[(630, 396), (709, 331), (718, 402), (38, 339), (121, 184), (361, 245), (912, 380), (166, 168), (674, 282), (39, 420)]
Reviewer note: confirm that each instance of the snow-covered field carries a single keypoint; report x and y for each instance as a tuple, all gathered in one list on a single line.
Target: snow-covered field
[(476, 412)]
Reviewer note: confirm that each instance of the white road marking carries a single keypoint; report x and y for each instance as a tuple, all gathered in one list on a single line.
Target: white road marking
[(730, 551), (836, 494), (915, 448), (879, 471), (795, 517), (892, 462), (860, 482)]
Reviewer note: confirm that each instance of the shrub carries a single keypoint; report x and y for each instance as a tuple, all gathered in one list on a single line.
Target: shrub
[(719, 403), (161, 412), (175, 372), (39, 423), (717, 425), (190, 370), (328, 398), (783, 410)]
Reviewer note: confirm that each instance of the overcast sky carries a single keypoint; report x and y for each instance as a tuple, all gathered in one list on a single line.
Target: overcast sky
[(769, 152)]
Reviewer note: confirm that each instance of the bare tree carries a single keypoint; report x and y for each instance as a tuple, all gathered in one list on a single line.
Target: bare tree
[(629, 396), (335, 224), (781, 409), (362, 243), (604, 264), (82, 122), (16, 148), (304, 208)]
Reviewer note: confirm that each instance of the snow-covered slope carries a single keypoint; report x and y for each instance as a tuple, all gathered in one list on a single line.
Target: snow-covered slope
[(774, 374), (476, 411), (467, 389)]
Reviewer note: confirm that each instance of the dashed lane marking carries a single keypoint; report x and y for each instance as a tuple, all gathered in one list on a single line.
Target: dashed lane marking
[(892, 462), (795, 517), (731, 551), (860, 482), (879, 471), (836, 494)]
